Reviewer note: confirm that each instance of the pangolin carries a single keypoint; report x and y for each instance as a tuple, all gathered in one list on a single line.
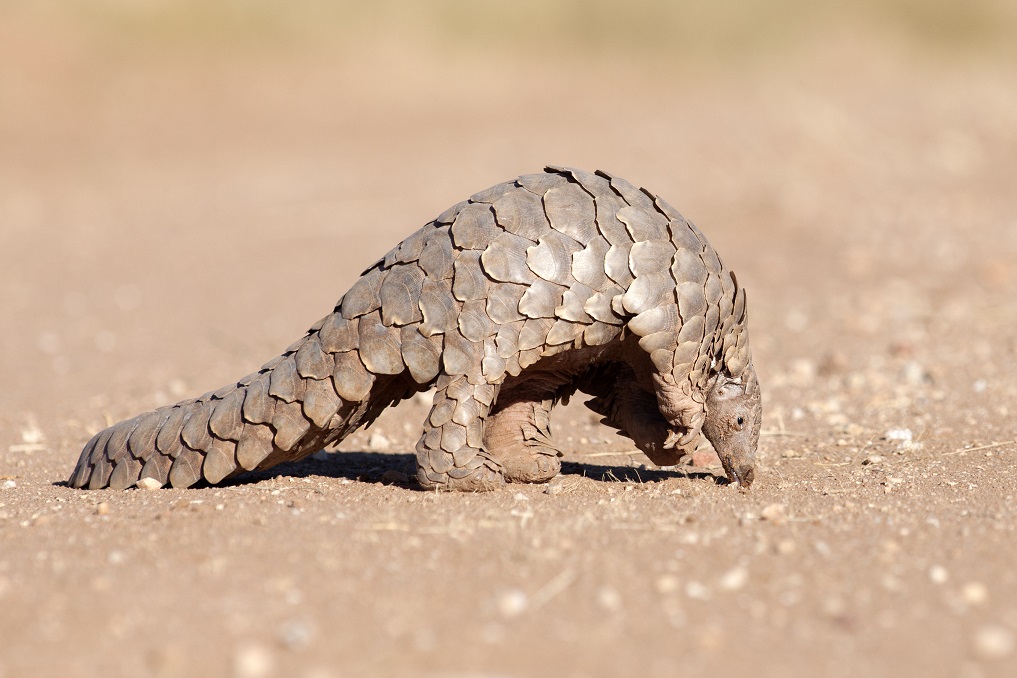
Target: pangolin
[(506, 303)]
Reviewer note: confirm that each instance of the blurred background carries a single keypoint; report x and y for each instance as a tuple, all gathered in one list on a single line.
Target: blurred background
[(255, 156)]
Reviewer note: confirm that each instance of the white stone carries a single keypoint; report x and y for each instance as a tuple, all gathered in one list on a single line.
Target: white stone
[(609, 599), (975, 593), (734, 579), (697, 591), (667, 583), (774, 513), (993, 642), (377, 441), (252, 661), (901, 434), (512, 603)]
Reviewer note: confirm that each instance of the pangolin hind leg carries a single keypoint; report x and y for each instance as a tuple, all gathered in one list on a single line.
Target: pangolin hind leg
[(518, 435), (450, 453)]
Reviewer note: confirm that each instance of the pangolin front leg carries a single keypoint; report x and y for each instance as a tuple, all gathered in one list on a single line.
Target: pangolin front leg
[(631, 409)]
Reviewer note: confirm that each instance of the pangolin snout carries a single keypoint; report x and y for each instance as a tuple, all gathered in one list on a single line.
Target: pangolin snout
[(743, 474)]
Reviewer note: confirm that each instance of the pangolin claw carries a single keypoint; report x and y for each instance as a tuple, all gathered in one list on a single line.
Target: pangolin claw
[(679, 440)]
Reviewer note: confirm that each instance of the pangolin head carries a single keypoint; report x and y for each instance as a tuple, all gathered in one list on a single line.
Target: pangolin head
[(733, 418)]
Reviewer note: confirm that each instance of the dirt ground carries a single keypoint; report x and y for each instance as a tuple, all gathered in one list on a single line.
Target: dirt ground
[(181, 197)]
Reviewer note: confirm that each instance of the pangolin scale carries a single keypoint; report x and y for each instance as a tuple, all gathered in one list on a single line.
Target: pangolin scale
[(529, 291)]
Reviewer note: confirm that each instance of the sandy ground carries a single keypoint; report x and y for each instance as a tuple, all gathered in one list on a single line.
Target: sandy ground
[(173, 215)]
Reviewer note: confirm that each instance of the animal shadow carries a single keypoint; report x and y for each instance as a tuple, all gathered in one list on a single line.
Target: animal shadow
[(397, 468)]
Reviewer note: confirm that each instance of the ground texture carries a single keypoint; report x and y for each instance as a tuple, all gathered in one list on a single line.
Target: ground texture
[(174, 212)]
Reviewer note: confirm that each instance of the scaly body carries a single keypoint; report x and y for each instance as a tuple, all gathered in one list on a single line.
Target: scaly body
[(505, 303)]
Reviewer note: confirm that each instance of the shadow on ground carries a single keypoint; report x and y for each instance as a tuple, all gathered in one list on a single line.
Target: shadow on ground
[(389, 468)]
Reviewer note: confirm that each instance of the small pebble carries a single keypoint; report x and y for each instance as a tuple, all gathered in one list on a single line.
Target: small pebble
[(8, 485), (785, 547), (834, 606), (803, 371), (774, 513), (975, 593), (667, 583), (252, 661), (914, 374), (102, 508), (609, 599), (554, 488), (689, 538), (902, 434), (148, 484), (734, 579), (31, 434), (378, 442), (697, 591), (177, 387), (938, 574), (873, 459), (512, 603), (993, 642)]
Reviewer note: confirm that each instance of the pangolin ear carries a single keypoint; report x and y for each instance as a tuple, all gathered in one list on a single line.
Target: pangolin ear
[(728, 388)]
